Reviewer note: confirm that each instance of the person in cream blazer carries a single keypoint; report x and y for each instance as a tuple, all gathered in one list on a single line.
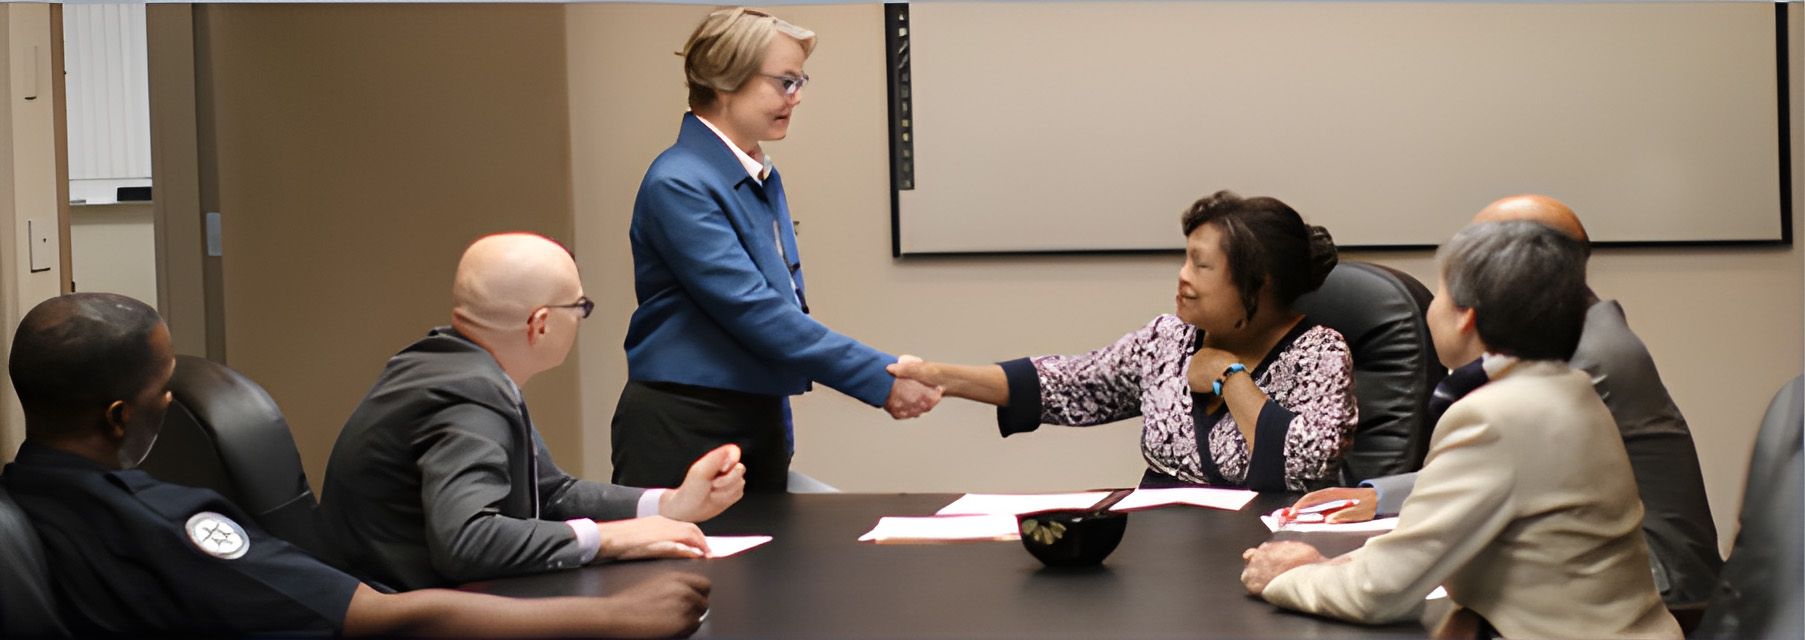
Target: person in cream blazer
[(1526, 508)]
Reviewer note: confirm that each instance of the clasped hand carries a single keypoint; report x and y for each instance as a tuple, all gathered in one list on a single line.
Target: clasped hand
[(911, 396)]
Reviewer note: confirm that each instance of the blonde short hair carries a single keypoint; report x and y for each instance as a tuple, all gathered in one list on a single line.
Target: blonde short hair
[(729, 47)]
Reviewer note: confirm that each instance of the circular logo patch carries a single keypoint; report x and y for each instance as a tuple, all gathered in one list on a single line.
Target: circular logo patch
[(217, 535)]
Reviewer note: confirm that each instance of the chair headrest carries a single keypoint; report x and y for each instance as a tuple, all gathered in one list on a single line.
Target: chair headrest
[(1380, 311), (247, 431)]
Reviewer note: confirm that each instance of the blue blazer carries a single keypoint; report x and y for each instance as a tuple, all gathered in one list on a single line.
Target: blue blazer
[(716, 304)]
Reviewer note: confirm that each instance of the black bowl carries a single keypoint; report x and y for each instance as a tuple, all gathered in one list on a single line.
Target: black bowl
[(1072, 537)]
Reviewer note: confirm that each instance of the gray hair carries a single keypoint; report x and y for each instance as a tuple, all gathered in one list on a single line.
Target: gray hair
[(1526, 283)]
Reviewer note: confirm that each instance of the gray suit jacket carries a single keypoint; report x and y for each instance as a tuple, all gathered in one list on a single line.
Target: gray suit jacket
[(1682, 537), (1525, 510), (432, 481)]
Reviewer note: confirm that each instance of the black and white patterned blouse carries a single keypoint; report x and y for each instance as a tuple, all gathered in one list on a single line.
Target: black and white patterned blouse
[(1307, 377)]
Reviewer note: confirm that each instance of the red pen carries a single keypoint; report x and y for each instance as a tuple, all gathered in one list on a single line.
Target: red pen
[(1322, 510)]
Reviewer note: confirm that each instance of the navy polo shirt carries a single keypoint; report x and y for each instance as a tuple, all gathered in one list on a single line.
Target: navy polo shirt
[(133, 555)]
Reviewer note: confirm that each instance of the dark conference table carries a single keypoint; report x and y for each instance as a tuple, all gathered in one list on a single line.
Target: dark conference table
[(1176, 574)]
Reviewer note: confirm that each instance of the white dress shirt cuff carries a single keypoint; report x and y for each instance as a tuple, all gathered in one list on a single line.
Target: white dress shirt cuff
[(589, 538), (648, 502)]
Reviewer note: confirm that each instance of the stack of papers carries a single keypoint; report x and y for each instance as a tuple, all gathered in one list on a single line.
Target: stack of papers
[(1224, 499), (943, 529), (1016, 504)]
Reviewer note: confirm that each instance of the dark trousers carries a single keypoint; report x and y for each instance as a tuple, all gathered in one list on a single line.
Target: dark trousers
[(661, 428)]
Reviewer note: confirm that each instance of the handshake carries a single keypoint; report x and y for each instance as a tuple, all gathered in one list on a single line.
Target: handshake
[(914, 393)]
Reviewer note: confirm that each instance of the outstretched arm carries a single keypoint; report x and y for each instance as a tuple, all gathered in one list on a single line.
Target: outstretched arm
[(668, 605), (982, 383), (1097, 387)]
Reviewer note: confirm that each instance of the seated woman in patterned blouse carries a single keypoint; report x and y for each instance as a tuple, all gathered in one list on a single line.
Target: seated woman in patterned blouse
[(1236, 373)]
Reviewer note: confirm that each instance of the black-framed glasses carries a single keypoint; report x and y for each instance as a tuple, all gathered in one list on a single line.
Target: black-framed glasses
[(584, 304), (788, 83)]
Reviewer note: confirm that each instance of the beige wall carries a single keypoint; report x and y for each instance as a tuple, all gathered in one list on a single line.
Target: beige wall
[(175, 159), (360, 148), (615, 133), (113, 249), (28, 185), (1724, 324)]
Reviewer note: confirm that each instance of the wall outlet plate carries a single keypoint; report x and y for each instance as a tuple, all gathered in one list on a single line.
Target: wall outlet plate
[(43, 245)]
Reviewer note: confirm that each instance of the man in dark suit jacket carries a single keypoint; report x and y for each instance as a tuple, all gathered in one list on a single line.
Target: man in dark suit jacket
[(439, 477)]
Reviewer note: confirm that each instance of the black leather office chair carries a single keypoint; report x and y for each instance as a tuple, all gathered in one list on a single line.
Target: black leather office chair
[(1763, 582), (1380, 311), (224, 433), (27, 606)]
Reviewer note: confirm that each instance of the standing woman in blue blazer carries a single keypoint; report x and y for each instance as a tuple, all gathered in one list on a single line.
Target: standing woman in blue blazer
[(722, 336)]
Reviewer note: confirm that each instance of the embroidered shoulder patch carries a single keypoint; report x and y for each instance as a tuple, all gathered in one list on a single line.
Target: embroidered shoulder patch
[(217, 535)]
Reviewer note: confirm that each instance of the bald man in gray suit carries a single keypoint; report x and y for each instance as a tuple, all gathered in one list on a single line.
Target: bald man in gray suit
[(1682, 537)]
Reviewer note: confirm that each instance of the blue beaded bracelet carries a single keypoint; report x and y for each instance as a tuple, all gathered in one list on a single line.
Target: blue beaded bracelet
[(1232, 369)]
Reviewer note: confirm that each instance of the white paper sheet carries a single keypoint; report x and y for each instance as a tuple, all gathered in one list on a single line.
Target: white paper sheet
[(723, 546), (1381, 524), (1225, 499), (1014, 504), (943, 529)]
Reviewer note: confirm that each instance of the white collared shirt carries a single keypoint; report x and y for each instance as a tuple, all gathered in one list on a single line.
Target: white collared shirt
[(758, 170), (1496, 364)]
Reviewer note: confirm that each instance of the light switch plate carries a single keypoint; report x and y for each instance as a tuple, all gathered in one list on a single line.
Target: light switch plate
[(43, 246), (213, 239)]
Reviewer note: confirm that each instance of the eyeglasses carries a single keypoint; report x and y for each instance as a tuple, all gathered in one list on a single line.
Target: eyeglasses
[(583, 303), (789, 84)]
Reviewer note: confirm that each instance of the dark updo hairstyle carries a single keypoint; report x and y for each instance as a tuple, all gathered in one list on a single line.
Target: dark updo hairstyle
[(1262, 236)]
